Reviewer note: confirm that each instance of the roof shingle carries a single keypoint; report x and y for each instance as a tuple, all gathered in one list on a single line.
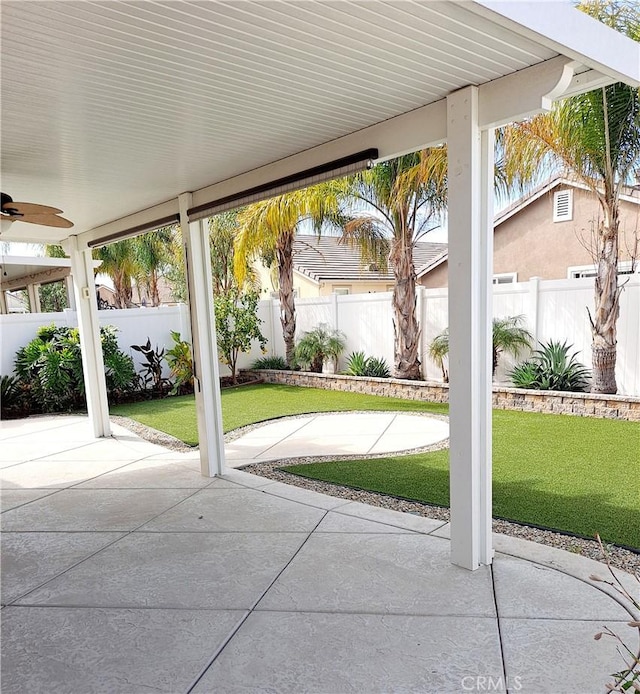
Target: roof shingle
[(331, 258)]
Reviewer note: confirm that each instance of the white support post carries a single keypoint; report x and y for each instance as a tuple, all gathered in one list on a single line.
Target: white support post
[(71, 299), (34, 298), (3, 302), (470, 222), (195, 241), (90, 345)]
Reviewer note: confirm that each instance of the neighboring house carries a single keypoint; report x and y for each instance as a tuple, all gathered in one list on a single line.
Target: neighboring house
[(548, 233), (139, 296), (328, 265)]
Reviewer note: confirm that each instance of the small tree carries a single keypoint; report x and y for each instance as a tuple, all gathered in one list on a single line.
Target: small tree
[(237, 326), (53, 297)]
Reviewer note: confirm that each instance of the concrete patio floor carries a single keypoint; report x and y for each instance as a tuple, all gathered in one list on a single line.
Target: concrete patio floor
[(125, 571), (344, 433)]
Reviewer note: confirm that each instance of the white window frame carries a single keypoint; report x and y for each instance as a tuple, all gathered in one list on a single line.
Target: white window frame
[(505, 278), (341, 290), (625, 267), (568, 215)]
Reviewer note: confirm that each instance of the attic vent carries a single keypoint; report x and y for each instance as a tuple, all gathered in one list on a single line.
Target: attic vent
[(563, 206)]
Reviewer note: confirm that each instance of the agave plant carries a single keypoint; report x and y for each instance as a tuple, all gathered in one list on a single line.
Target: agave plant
[(356, 364), (376, 367), (359, 364), (552, 368), (277, 363)]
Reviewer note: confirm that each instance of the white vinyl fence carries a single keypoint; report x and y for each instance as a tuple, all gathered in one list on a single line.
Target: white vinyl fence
[(553, 309)]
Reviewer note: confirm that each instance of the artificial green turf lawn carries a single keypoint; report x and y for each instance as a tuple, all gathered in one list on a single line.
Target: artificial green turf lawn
[(578, 474), (249, 404)]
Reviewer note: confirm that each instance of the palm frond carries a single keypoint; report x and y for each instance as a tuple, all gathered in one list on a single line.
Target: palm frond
[(369, 235)]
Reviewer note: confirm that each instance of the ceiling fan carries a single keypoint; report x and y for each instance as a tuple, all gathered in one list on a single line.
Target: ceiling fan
[(32, 213)]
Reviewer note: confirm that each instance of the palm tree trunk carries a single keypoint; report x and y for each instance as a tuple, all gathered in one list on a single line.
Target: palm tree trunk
[(405, 325), (607, 308), (154, 291), (119, 287), (284, 257)]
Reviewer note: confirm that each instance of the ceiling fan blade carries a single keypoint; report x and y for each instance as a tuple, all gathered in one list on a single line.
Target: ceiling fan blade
[(47, 220), (29, 208)]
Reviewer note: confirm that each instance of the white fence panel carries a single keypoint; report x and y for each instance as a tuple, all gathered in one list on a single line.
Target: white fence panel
[(366, 321), (553, 309), (434, 319), (311, 312), (517, 299), (135, 325), (628, 358)]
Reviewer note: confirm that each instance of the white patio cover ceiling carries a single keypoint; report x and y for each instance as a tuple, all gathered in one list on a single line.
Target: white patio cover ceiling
[(109, 108)]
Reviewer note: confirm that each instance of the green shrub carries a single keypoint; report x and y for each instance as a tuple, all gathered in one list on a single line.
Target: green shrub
[(359, 364), (151, 380), (551, 368), (277, 363), (181, 364), (13, 401), (50, 367)]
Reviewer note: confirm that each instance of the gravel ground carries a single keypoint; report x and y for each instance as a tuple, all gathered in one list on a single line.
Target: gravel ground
[(618, 557)]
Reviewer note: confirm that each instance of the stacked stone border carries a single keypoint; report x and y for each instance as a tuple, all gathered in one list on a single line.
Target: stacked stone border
[(557, 402)]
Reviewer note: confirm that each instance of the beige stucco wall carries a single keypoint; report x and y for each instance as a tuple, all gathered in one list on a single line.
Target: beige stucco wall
[(356, 287), (531, 244), (307, 288)]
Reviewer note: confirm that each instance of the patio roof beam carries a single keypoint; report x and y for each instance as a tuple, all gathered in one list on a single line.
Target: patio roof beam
[(570, 33), (41, 277)]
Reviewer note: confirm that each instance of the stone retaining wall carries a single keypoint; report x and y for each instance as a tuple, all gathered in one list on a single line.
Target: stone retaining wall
[(579, 404)]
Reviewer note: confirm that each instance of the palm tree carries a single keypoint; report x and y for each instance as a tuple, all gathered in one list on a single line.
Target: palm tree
[(509, 336), (152, 254), (396, 203), (223, 229), (318, 345), (596, 137), (269, 227), (119, 263)]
